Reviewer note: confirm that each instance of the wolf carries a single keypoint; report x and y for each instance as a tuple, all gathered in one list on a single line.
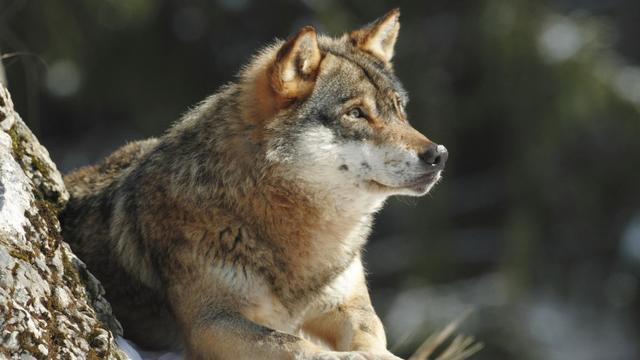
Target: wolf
[(238, 233)]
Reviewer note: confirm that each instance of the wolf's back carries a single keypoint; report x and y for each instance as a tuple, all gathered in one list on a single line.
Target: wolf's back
[(95, 178)]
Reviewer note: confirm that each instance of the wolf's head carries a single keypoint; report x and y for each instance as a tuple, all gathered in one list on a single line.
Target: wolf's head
[(333, 112)]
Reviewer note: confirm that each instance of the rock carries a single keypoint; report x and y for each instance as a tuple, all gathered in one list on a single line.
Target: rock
[(51, 307)]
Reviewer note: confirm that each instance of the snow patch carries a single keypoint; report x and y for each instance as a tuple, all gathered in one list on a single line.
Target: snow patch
[(135, 353)]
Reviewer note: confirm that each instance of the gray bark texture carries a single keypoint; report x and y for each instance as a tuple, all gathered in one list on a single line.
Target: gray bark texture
[(51, 307)]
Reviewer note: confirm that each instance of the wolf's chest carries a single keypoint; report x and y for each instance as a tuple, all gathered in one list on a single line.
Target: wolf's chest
[(261, 304), (266, 308), (281, 281)]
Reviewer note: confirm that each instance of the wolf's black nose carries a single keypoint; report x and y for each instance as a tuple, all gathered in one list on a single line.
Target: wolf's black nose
[(435, 155)]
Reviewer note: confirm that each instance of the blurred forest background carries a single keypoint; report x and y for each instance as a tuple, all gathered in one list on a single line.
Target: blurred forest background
[(536, 225)]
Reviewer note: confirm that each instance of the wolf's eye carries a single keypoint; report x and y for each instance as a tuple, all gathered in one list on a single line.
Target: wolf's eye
[(356, 113)]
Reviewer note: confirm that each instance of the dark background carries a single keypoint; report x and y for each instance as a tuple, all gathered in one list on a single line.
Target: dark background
[(536, 225)]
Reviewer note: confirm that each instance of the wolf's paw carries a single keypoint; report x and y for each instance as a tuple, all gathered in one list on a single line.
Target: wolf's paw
[(352, 355), (338, 355), (380, 356)]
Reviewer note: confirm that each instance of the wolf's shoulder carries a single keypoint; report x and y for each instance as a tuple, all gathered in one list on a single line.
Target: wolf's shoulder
[(93, 178)]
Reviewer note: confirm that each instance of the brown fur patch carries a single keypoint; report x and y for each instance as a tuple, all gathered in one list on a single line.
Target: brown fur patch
[(276, 81)]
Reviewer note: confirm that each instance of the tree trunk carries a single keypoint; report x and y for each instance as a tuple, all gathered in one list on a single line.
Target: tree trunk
[(50, 306)]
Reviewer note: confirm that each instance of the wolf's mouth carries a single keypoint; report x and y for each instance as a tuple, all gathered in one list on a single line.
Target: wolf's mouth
[(418, 184)]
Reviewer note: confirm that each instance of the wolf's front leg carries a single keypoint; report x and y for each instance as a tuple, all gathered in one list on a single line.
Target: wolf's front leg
[(353, 325), (220, 333), (228, 335)]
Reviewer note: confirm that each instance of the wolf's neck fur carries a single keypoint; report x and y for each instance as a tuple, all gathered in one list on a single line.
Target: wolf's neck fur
[(316, 226)]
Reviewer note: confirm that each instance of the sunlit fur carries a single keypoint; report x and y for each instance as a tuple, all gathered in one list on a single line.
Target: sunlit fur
[(241, 228)]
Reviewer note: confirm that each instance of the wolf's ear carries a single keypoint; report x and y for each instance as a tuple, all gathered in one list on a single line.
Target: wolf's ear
[(296, 64), (379, 37)]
